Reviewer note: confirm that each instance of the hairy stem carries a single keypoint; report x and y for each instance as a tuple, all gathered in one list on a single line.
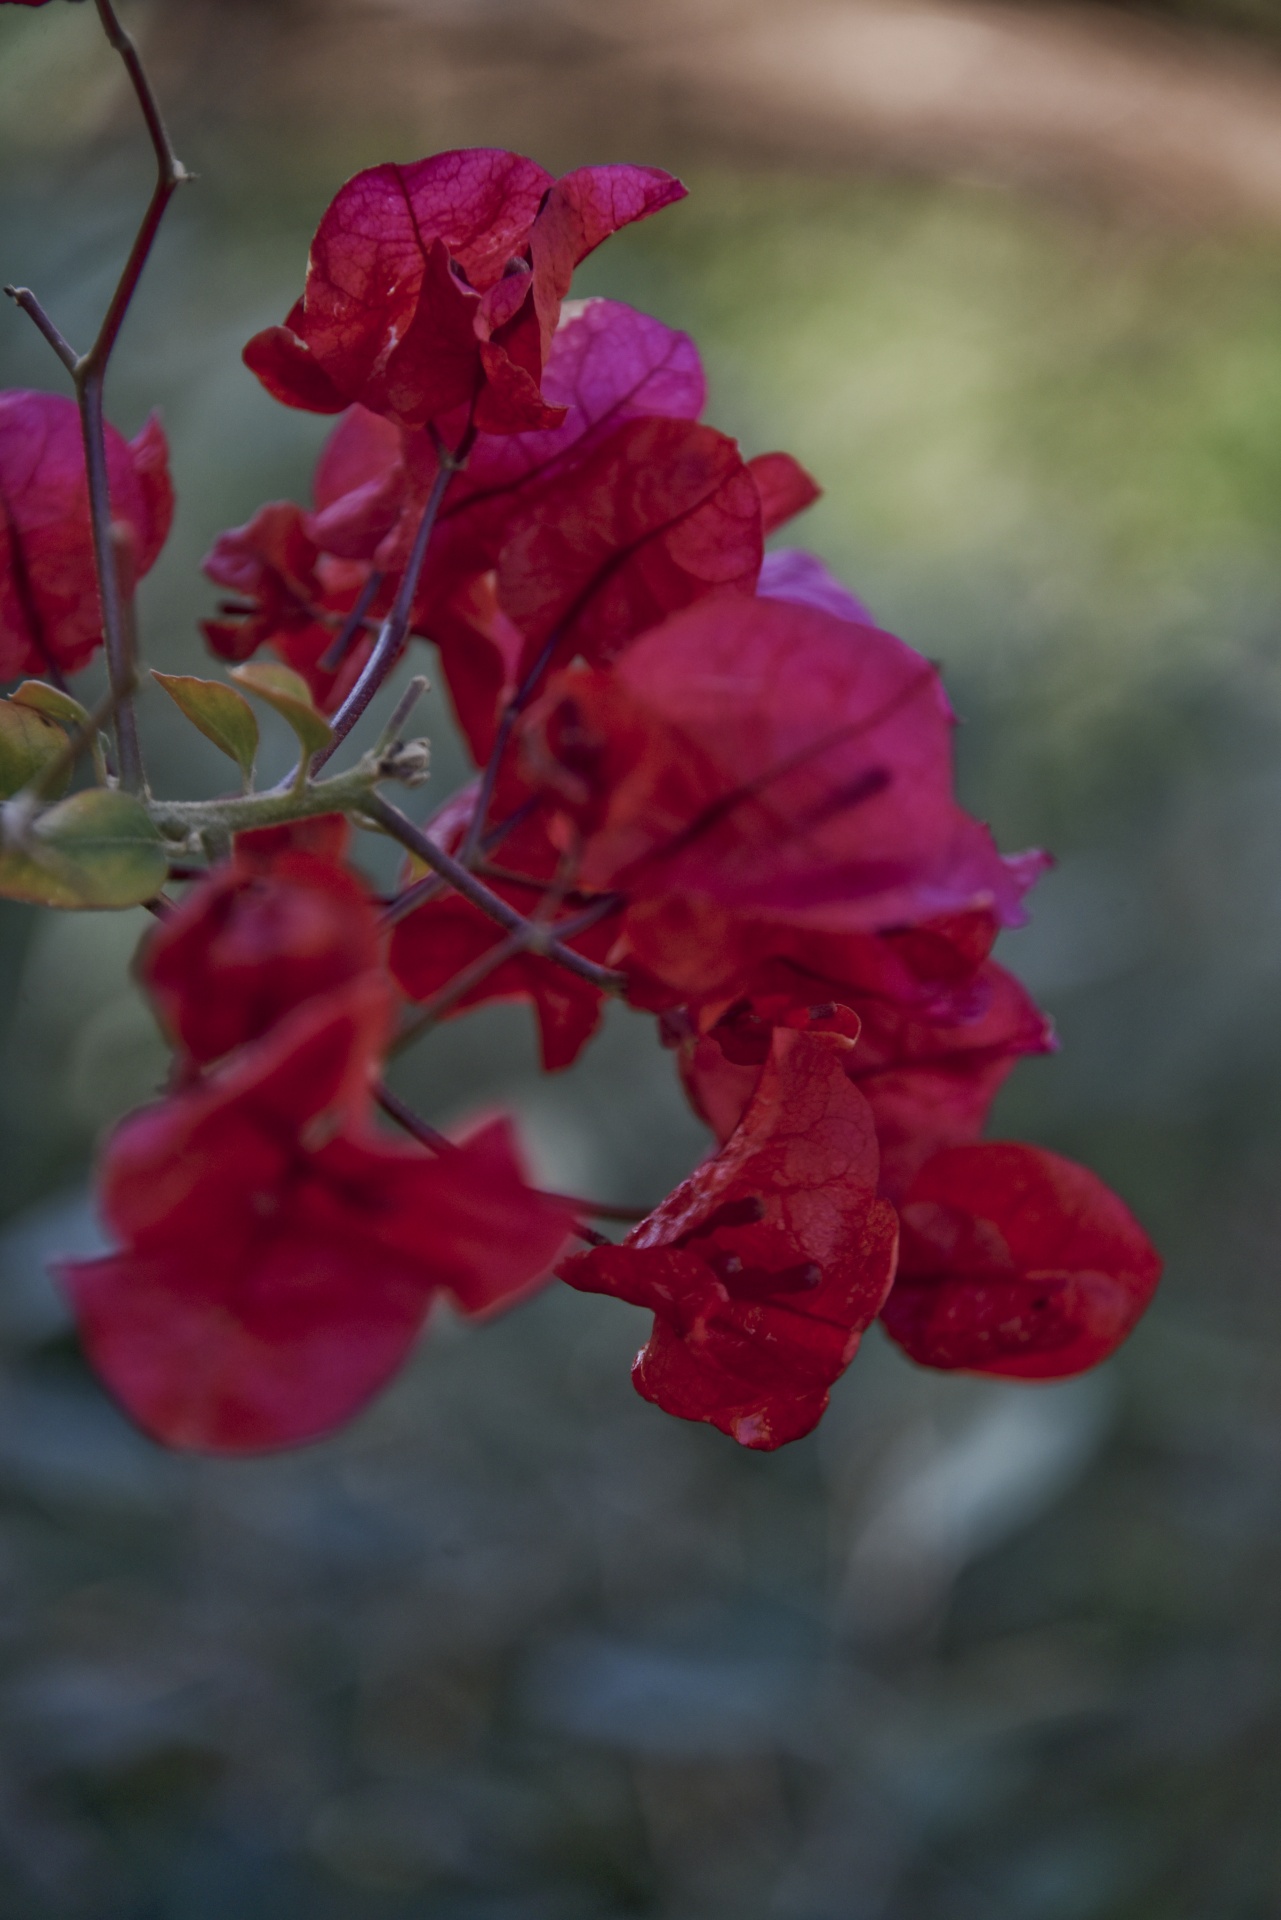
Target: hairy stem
[(349, 792)]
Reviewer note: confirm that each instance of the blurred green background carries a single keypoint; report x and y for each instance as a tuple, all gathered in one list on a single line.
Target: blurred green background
[(516, 1646)]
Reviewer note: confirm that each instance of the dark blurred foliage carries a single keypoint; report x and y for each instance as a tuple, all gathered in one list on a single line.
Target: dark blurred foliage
[(518, 1647)]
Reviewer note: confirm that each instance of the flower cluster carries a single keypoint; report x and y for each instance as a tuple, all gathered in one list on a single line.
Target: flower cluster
[(706, 780), (279, 1255)]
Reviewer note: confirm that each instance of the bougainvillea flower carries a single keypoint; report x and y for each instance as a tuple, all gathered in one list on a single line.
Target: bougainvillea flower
[(934, 1043), (757, 760), (270, 928), (763, 1268), (1018, 1263), (439, 285), (50, 613), (279, 1256), (435, 942), (607, 364)]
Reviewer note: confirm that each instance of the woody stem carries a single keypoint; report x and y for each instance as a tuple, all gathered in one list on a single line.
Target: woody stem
[(489, 778), (88, 372), (465, 883), (391, 635)]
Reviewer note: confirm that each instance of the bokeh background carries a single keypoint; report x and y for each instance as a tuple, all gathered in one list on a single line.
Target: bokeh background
[(517, 1646)]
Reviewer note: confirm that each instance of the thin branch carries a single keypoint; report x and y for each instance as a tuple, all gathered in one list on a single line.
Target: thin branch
[(170, 175), (434, 1010), (395, 823), (24, 298), (88, 371), (391, 637), (336, 652), (489, 779), (432, 886), (116, 626), (390, 735), (404, 1116)]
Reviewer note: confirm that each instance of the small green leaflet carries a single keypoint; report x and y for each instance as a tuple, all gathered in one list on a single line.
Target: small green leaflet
[(97, 849), (289, 694), (222, 715)]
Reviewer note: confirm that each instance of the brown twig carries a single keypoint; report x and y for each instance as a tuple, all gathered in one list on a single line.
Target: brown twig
[(489, 778), (394, 822), (336, 652), (395, 627), (88, 372), (520, 940), (432, 886), (394, 1107)]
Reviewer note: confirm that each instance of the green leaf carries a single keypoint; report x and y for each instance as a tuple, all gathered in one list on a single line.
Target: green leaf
[(97, 849), (51, 701), (289, 694), (222, 715), (28, 742)]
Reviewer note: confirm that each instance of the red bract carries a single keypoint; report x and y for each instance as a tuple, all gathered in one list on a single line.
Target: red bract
[(432, 945), (274, 926), (279, 1257), (939, 1027), (763, 1268), (757, 761), (661, 515), (50, 613), (1018, 1263), (607, 364), (789, 573), (439, 285)]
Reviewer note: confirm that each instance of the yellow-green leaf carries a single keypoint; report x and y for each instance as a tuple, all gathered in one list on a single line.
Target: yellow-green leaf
[(28, 742), (51, 701), (97, 849), (290, 695), (222, 715)]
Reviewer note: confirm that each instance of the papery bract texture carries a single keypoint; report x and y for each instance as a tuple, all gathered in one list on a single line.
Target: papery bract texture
[(753, 761), (298, 574), (438, 285), (1016, 1262), (662, 514), (279, 1256), (763, 1268), (50, 613), (939, 1024), (275, 925)]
